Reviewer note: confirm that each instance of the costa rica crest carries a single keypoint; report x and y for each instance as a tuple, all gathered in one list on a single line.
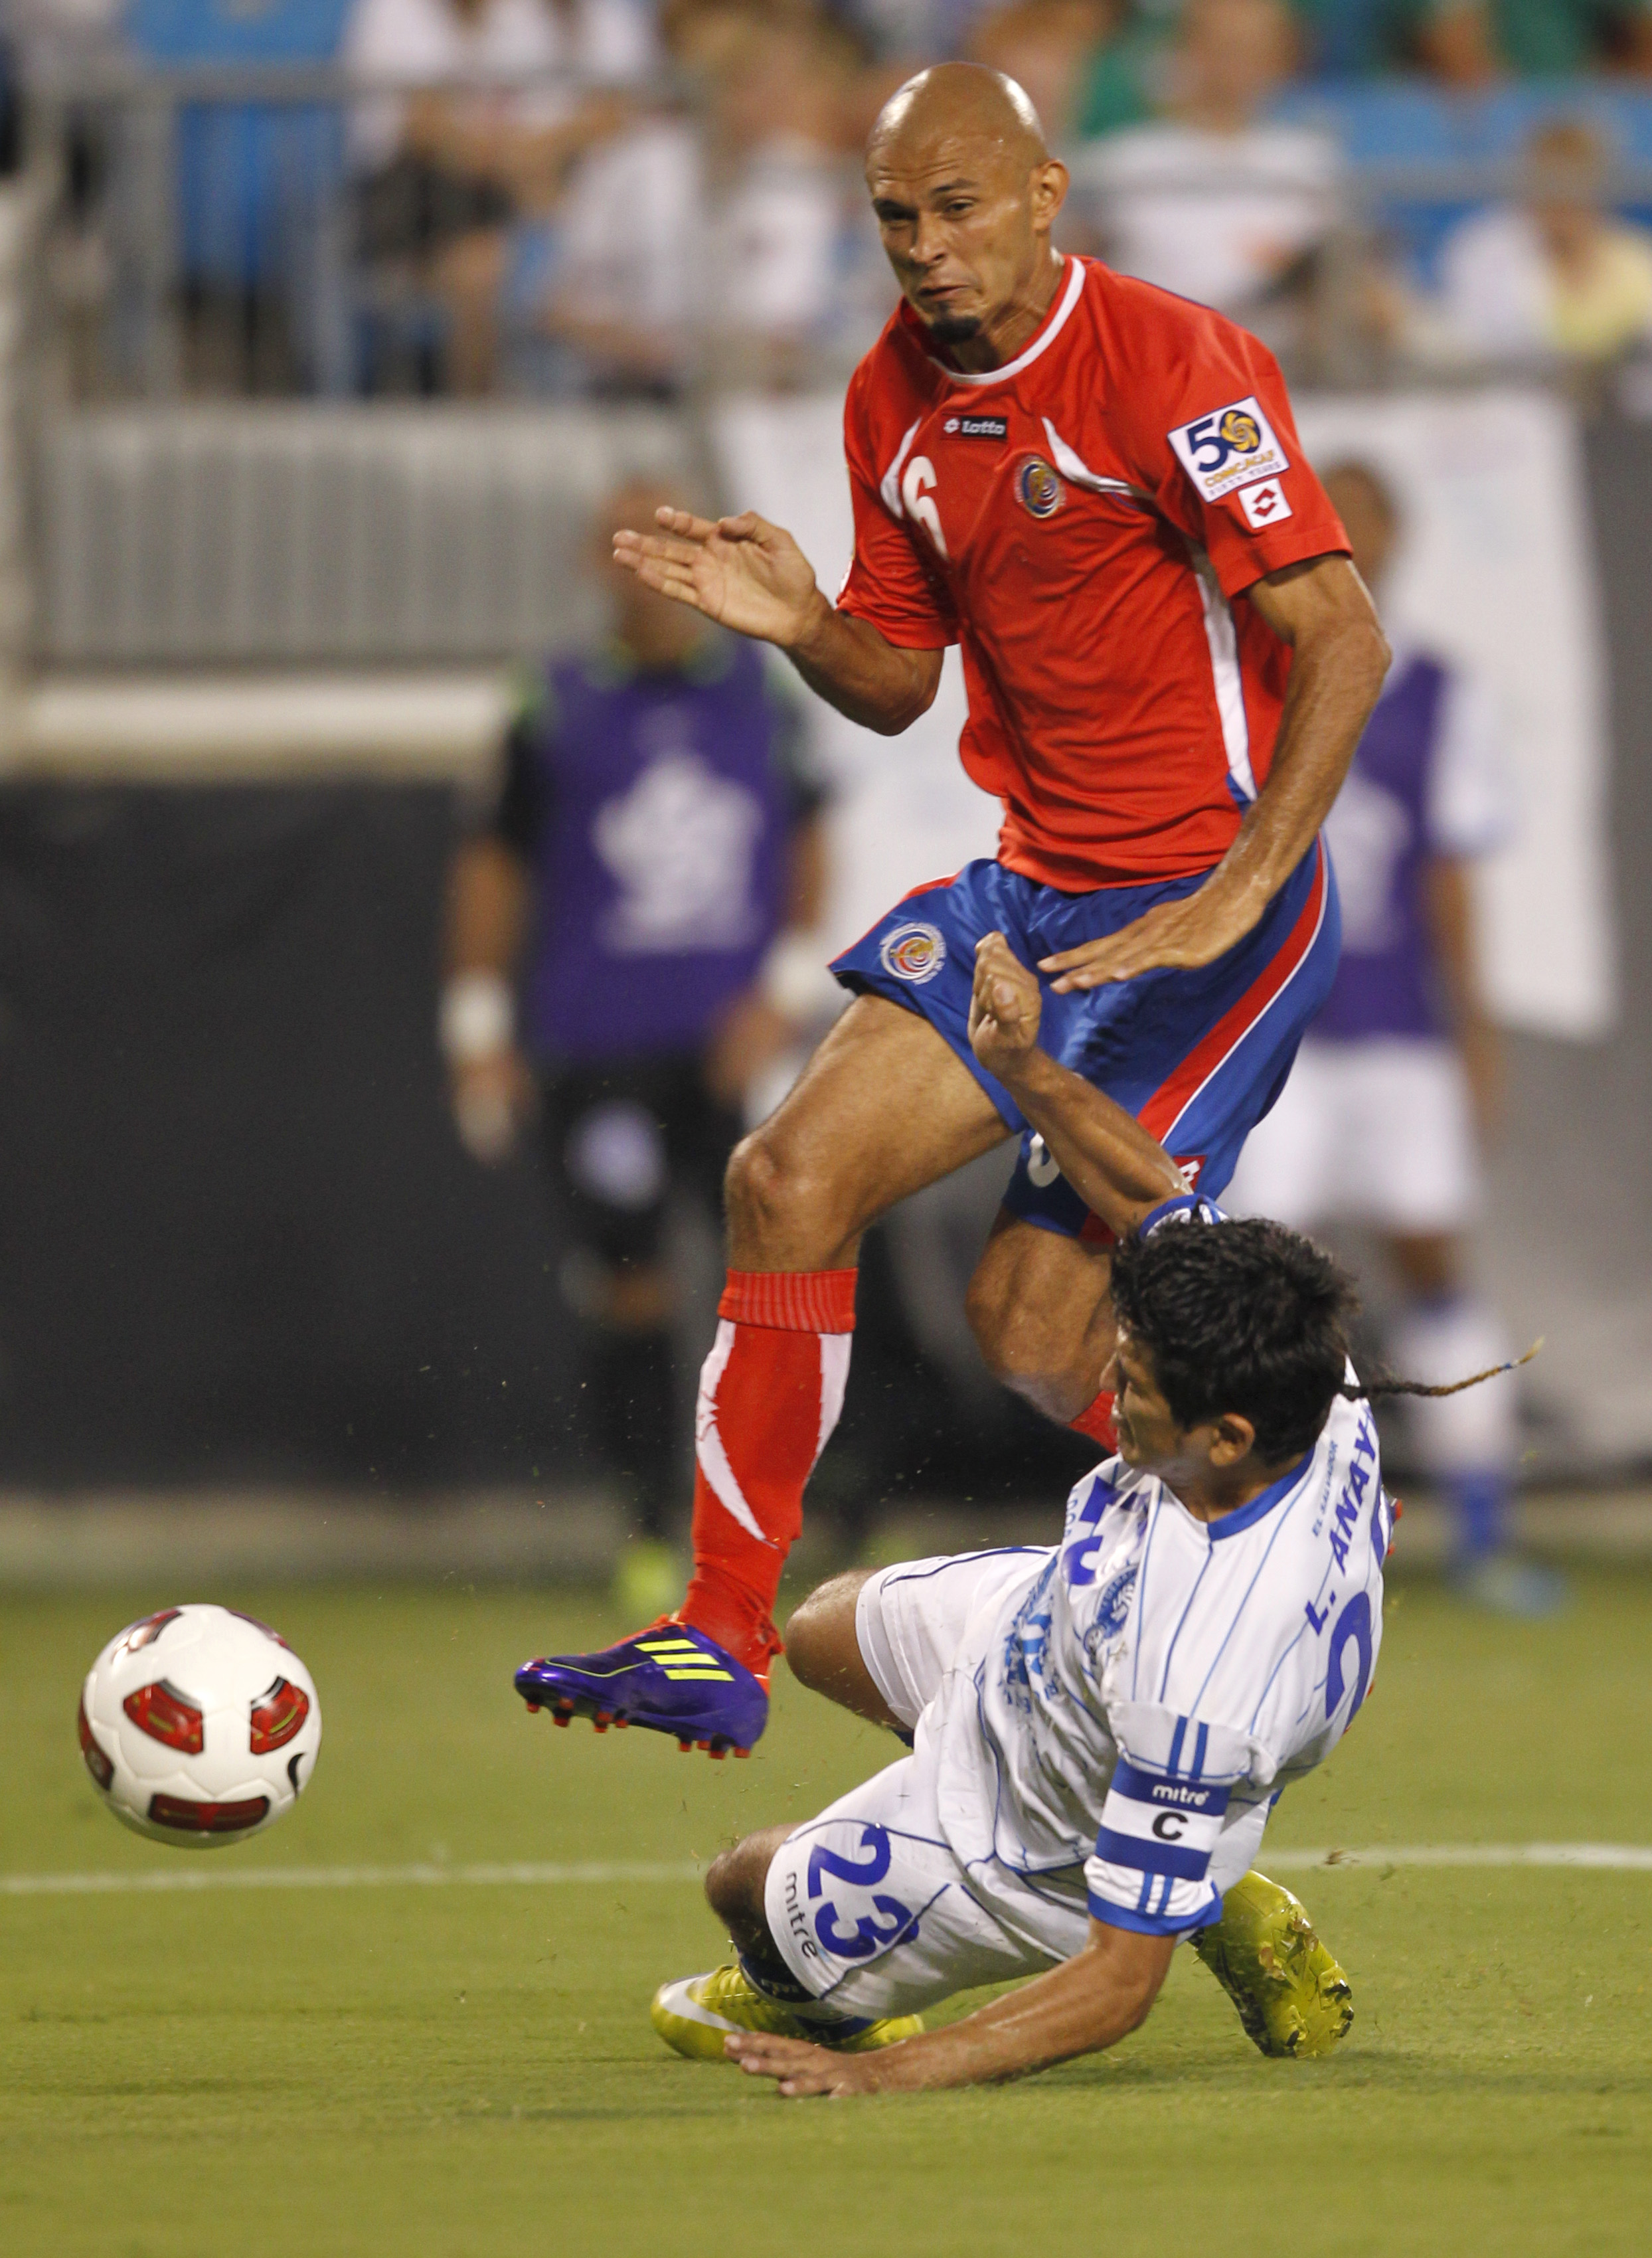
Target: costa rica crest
[(913, 952), (1038, 489)]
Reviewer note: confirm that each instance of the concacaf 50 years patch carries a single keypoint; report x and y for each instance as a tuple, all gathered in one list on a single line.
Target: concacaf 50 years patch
[(1232, 447)]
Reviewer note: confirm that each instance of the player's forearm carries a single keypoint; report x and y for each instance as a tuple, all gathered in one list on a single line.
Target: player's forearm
[(1449, 911), (1337, 675), (1117, 1169), (1085, 2004), (867, 679), (486, 910)]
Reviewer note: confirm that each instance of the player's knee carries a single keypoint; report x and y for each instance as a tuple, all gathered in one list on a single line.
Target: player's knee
[(734, 1882), (728, 1883), (821, 1629), (1011, 1344), (1023, 1350), (762, 1183)]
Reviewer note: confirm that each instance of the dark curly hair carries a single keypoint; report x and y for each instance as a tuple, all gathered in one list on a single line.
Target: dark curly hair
[(1240, 1317), (1251, 1317)]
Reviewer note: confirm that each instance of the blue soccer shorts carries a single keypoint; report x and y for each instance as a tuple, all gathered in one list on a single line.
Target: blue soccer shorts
[(1197, 1057)]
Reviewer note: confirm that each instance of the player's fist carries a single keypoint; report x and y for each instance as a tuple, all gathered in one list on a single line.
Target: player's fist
[(742, 571), (1005, 1007)]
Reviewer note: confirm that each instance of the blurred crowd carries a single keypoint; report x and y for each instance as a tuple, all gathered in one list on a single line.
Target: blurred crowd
[(617, 198)]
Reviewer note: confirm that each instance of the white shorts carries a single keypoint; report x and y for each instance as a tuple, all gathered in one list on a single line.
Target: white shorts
[(867, 1903), (1377, 1132), (911, 1619)]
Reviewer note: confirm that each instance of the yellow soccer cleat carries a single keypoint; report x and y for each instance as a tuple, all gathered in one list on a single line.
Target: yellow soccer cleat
[(1265, 1952), (696, 2015)]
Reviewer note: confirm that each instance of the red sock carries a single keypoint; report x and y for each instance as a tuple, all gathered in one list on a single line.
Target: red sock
[(1098, 1422), (770, 1393)]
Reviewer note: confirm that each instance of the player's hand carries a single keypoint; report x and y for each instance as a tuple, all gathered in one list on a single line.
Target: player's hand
[(492, 1097), (1184, 934), (1005, 1007), (742, 571), (801, 2070)]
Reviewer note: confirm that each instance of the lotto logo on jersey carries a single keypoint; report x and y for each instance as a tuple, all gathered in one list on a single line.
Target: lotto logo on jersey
[(914, 953), (1264, 505), (1231, 448)]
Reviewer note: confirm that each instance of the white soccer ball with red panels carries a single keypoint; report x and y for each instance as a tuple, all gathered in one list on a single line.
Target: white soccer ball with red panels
[(199, 1726)]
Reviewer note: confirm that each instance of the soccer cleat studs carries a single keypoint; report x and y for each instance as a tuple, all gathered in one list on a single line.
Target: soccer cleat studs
[(670, 1679)]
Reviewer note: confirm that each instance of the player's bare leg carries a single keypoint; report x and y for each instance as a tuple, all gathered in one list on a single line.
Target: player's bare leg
[(884, 1107), (756, 1990), (823, 1649), (734, 1887), (1042, 1315)]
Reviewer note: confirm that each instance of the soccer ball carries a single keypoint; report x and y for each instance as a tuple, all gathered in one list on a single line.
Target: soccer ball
[(199, 1726)]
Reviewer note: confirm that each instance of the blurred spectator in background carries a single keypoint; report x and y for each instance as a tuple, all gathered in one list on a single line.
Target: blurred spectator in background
[(741, 248), (1128, 78), (1212, 200), (652, 859), (777, 190), (1555, 280), (904, 35), (1378, 1123), (1562, 39), (442, 172), (1045, 46)]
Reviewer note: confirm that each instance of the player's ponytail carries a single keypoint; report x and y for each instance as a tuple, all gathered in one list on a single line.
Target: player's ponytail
[(1386, 1384)]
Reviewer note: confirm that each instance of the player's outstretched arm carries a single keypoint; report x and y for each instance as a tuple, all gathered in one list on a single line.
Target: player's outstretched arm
[(1089, 2002), (752, 577), (1115, 1165), (1339, 657)]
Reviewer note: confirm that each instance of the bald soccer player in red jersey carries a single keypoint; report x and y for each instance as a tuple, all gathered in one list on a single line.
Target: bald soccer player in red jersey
[(1096, 489)]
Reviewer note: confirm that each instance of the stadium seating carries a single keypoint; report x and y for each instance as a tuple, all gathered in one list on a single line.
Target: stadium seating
[(1399, 123), (255, 182)]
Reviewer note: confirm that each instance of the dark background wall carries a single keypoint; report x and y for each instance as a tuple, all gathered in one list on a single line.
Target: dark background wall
[(238, 1241)]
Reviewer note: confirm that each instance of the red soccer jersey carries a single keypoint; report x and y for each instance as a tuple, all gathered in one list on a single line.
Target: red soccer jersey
[(1084, 521)]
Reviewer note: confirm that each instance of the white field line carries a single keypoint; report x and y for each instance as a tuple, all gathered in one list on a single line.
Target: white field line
[(331, 1878), (1614, 1858)]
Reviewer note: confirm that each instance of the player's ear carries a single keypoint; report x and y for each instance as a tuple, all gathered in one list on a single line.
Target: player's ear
[(1232, 1438), (1049, 193)]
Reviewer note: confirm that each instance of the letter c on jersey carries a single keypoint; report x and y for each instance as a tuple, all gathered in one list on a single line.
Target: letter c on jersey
[(1170, 1826), (917, 481)]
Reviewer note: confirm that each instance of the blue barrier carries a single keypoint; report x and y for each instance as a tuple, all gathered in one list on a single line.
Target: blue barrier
[(250, 178)]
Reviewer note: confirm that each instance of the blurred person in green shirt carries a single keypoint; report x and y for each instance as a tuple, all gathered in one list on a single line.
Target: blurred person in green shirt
[(1458, 42)]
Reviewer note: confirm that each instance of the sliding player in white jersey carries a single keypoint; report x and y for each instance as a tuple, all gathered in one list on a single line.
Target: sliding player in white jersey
[(1100, 1727)]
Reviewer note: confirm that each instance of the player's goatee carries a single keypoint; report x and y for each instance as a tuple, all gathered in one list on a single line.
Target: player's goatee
[(955, 328)]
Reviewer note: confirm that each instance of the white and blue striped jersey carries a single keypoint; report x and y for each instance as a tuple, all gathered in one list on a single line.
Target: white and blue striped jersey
[(1118, 1725)]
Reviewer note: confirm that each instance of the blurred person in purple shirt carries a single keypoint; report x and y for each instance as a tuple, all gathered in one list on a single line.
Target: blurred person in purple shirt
[(625, 951), (1396, 1087)]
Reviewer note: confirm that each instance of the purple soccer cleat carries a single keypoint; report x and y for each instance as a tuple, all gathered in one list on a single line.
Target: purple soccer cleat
[(669, 1679)]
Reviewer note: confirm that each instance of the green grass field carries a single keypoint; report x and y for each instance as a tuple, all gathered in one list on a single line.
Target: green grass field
[(470, 2070)]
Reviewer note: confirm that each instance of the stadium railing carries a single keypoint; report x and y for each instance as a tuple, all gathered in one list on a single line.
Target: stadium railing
[(202, 475)]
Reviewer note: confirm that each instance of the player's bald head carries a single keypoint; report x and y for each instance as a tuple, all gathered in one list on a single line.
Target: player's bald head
[(957, 108), (966, 194)]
